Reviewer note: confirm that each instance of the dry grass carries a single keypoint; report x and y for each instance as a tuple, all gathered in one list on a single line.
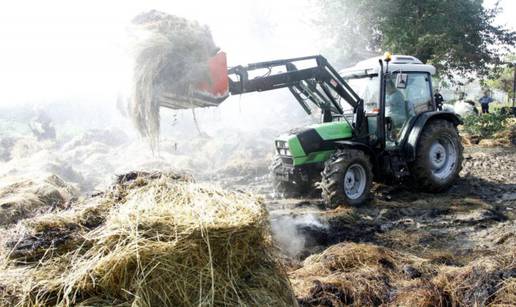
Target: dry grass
[(23, 197), (365, 274), (482, 282), (504, 138), (163, 241), (360, 274), (506, 295)]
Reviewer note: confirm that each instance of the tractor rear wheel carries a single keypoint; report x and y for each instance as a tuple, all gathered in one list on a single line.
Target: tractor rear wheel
[(438, 157), (346, 178)]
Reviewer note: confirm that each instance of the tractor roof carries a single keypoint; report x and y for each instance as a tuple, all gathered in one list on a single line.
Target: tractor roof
[(404, 63)]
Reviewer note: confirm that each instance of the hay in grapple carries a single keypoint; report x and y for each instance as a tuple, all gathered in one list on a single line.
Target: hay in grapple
[(153, 239), (170, 58)]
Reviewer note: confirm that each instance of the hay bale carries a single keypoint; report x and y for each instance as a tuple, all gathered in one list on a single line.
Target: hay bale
[(159, 240), (23, 197), (171, 57)]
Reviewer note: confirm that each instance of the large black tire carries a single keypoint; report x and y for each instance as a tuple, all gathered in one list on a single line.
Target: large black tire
[(286, 188), (437, 135), (334, 176)]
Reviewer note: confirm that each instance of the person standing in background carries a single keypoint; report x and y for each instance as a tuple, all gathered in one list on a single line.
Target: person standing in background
[(485, 101), (438, 99)]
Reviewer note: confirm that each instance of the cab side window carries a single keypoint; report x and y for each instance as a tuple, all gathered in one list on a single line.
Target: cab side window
[(402, 104), (418, 93)]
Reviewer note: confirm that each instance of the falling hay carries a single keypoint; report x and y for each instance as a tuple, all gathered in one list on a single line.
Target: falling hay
[(153, 239), (170, 57)]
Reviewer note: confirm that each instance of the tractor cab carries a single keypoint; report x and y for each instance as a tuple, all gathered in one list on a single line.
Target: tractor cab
[(407, 92)]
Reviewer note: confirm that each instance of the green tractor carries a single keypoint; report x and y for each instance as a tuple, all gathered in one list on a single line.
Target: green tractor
[(379, 122)]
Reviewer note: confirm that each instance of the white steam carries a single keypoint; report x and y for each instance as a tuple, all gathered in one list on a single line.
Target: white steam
[(286, 231)]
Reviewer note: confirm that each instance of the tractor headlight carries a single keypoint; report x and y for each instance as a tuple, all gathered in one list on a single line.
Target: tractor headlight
[(284, 152)]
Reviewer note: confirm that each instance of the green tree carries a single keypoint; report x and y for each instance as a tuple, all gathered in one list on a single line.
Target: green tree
[(501, 77), (457, 36)]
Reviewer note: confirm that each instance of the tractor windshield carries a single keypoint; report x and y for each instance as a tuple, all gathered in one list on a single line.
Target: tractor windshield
[(367, 87)]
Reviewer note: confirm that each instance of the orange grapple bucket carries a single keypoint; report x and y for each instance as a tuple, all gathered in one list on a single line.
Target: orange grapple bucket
[(218, 70), (207, 93)]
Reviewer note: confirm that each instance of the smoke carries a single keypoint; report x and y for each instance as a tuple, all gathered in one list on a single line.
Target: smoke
[(288, 231), (71, 62)]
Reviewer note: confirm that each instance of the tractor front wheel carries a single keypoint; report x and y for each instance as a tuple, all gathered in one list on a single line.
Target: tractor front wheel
[(346, 179)]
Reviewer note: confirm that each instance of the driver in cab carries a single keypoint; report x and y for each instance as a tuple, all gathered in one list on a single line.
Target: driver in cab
[(394, 107)]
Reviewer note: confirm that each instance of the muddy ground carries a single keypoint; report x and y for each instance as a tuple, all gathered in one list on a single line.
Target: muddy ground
[(474, 218)]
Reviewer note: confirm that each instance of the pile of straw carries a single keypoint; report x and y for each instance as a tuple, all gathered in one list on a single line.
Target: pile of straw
[(170, 57), (25, 197), (485, 281), (153, 239), (350, 273), (369, 275)]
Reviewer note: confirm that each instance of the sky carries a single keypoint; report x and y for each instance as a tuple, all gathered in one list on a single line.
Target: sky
[(51, 50), (58, 50)]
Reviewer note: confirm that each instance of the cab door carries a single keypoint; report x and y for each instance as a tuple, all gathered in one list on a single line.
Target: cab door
[(406, 96)]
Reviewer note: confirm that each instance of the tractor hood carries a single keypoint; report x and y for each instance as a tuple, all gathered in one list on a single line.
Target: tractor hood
[(312, 143)]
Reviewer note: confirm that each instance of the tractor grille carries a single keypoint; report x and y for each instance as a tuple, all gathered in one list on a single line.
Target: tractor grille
[(282, 148), (287, 160)]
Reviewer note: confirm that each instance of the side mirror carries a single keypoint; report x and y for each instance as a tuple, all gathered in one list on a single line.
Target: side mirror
[(401, 81)]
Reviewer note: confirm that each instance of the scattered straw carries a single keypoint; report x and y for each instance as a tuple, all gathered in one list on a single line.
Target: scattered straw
[(365, 274)]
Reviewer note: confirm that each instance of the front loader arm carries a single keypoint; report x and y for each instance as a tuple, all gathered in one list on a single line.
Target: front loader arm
[(318, 83), (313, 83)]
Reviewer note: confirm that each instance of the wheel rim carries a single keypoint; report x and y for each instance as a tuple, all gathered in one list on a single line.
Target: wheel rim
[(355, 181), (443, 157)]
